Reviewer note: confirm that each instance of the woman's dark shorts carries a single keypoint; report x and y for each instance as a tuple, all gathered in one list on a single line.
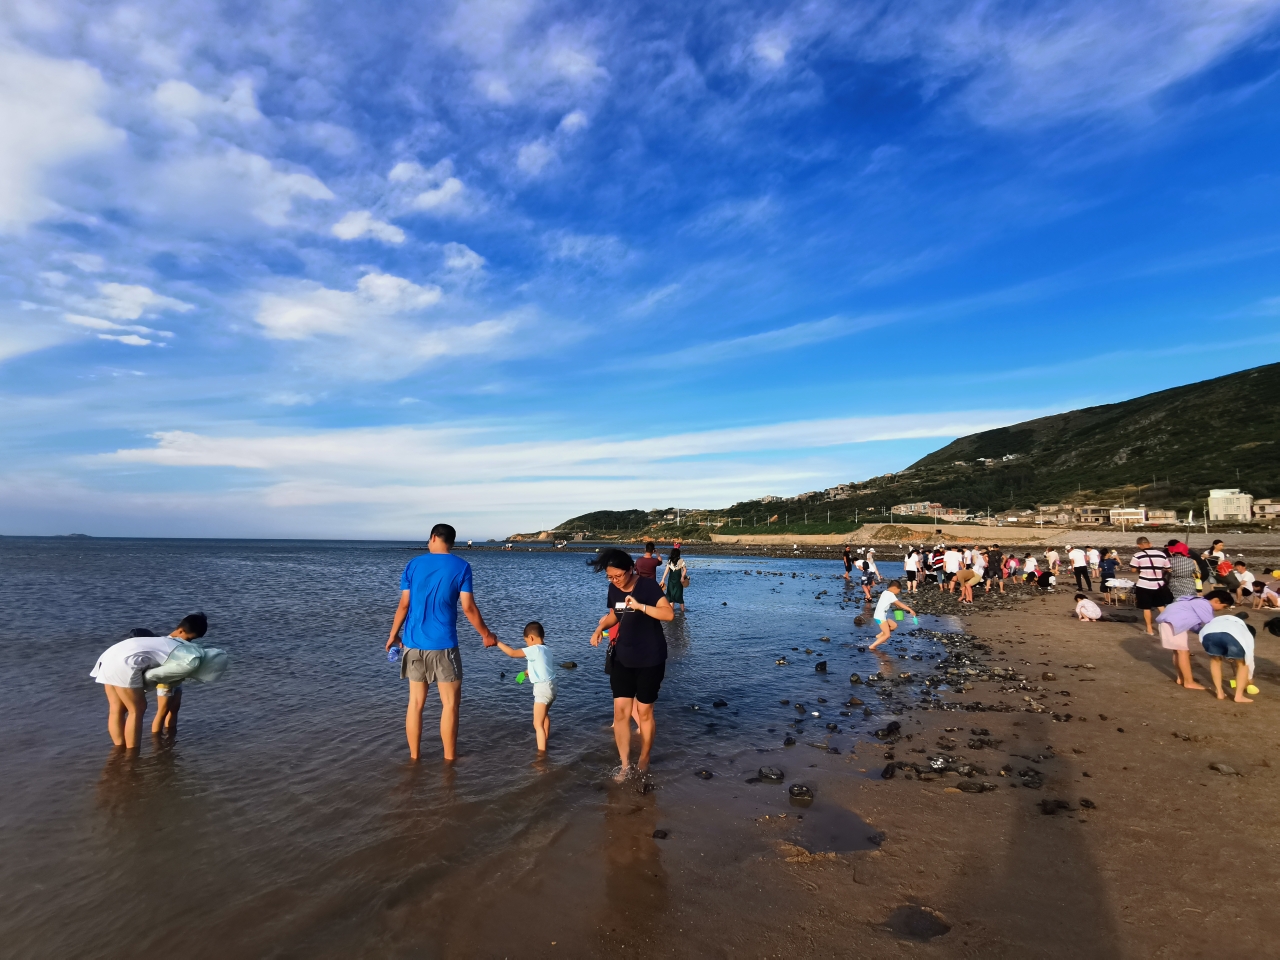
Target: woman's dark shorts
[(911, 576), (640, 683), (1222, 645), (1149, 598)]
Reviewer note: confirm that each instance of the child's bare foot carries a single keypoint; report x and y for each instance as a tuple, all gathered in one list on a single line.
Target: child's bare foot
[(1221, 695), (1194, 686), (1241, 698)]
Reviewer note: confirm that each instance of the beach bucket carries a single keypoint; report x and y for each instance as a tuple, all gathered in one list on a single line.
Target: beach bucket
[(897, 614)]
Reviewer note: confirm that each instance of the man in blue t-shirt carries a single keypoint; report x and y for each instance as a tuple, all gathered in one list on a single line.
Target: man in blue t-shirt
[(430, 589)]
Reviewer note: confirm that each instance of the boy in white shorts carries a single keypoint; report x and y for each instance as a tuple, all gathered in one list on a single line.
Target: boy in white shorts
[(884, 612), (541, 673), (121, 670)]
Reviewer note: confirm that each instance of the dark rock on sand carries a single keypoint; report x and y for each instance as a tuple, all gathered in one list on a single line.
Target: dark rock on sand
[(660, 834), (1087, 804), (878, 838), (888, 772), (977, 786), (1048, 676), (820, 667), (914, 922), (789, 742), (1050, 807), (1223, 769), (800, 791), (771, 774)]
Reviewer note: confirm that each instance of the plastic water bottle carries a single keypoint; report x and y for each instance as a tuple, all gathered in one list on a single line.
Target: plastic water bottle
[(394, 654)]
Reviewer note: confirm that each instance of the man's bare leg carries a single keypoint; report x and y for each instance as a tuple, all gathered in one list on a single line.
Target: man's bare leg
[(622, 734), (450, 699), (413, 717), (644, 713)]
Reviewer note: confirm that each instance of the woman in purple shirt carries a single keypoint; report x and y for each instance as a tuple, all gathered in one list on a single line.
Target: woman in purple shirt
[(1187, 614)]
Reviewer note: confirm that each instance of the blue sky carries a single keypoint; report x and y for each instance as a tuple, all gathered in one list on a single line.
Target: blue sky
[(323, 269)]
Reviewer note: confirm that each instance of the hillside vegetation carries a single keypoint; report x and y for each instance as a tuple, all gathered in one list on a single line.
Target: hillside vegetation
[(1165, 449)]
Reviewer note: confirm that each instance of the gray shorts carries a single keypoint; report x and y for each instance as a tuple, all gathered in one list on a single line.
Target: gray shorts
[(545, 692), (431, 666)]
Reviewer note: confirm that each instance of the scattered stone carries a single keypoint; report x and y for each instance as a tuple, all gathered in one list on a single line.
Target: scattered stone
[(785, 703), (781, 661), (1048, 676), (704, 774), (799, 791), (854, 678), (853, 702), (888, 772), (1087, 804), (569, 665), (772, 774), (914, 922), (720, 703), (977, 786), (820, 667), (1051, 807), (1223, 769), (825, 639), (660, 834), (878, 838), (789, 741)]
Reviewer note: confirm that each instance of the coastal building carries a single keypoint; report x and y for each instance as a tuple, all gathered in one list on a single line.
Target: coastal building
[(924, 508), (1230, 504), (1092, 515), (1120, 515), (1160, 515), (1267, 509)]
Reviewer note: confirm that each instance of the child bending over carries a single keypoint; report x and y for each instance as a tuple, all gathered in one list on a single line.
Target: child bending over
[(884, 612)]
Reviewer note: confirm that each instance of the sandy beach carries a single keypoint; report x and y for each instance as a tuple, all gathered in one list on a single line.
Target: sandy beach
[(1145, 850)]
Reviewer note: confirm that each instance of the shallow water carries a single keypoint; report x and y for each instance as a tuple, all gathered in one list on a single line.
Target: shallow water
[(286, 818)]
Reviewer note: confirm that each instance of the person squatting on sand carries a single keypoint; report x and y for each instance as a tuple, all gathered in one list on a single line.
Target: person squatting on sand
[(122, 672), (884, 612), (1230, 638), (541, 674), (1086, 609), (637, 657), (430, 589)]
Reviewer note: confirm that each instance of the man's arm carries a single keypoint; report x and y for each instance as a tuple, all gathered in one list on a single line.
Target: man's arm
[(398, 622), (473, 614)]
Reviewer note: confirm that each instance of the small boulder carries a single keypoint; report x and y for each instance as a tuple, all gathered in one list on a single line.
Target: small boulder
[(771, 774), (1224, 769), (569, 665), (820, 666), (703, 774), (660, 834)]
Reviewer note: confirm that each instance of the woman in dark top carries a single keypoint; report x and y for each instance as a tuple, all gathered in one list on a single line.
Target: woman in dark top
[(638, 605), (1110, 567)]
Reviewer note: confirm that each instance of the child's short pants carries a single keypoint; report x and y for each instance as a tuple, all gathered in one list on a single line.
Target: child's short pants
[(544, 692), (1222, 645), (168, 689)]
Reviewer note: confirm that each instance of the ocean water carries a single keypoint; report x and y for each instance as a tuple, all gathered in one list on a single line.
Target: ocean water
[(286, 818)]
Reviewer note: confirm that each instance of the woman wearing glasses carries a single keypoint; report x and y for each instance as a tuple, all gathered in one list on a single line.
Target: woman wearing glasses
[(639, 652)]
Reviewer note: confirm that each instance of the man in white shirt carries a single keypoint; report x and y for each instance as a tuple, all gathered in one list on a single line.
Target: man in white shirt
[(1052, 559), (952, 561), (1095, 558), (1080, 567)]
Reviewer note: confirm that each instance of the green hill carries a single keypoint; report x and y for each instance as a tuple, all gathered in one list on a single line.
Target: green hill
[(1165, 449)]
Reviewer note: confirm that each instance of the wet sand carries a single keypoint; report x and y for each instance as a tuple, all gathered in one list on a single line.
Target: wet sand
[(1173, 860)]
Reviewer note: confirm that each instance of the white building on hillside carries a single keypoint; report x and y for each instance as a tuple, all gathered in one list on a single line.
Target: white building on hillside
[(1230, 504)]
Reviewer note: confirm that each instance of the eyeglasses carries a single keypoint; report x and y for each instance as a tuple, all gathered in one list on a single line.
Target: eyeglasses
[(619, 577)]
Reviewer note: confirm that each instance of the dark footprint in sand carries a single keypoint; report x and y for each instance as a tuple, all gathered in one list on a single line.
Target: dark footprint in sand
[(914, 922)]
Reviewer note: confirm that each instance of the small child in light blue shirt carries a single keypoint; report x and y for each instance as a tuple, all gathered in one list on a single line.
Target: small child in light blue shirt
[(541, 674)]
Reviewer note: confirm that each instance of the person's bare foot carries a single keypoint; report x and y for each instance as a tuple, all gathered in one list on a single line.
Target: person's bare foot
[(623, 774), (1194, 686), (1221, 695), (1241, 698)]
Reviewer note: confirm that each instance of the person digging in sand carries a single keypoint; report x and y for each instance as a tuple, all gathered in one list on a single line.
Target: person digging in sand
[(884, 612), (1184, 615), (1230, 638)]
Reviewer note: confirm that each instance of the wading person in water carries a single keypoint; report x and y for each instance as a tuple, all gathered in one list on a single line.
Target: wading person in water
[(430, 589), (639, 652)]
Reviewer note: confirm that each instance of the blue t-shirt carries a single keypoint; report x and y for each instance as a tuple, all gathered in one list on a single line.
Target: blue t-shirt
[(540, 669), (434, 581)]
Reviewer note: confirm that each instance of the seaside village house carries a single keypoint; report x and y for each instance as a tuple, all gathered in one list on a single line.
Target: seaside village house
[(1230, 504), (1268, 510)]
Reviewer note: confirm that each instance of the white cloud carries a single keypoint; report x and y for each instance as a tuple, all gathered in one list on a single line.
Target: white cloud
[(460, 258), (433, 190), (88, 262), (48, 115), (97, 323), (360, 223), (573, 122), (180, 102), (769, 341), (600, 250), (224, 186), (771, 46), (125, 301), (532, 158), (653, 298), (313, 310), (130, 339)]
